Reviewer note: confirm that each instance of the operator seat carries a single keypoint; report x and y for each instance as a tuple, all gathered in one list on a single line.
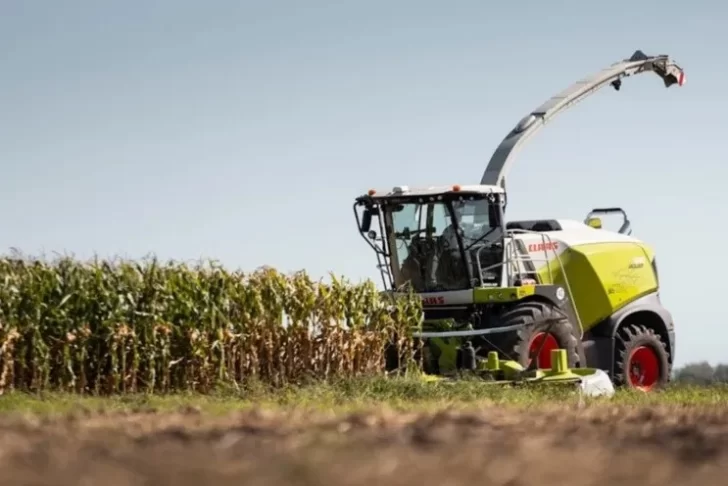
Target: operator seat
[(419, 254)]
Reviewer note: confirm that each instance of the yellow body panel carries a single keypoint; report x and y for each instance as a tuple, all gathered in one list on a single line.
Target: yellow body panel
[(603, 277)]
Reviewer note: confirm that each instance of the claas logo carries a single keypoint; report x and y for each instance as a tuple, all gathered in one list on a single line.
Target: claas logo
[(550, 246), (439, 300)]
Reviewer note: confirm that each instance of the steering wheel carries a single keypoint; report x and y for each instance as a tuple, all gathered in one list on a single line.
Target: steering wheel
[(407, 233)]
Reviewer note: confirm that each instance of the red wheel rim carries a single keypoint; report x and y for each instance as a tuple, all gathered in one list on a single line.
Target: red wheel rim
[(643, 368), (544, 357)]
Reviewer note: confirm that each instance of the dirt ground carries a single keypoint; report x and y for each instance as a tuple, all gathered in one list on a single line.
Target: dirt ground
[(600, 446)]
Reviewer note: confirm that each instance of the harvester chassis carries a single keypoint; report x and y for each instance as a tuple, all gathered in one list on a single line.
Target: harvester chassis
[(505, 309)]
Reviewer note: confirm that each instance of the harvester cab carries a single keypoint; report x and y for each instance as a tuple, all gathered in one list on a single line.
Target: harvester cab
[(541, 294), (436, 239)]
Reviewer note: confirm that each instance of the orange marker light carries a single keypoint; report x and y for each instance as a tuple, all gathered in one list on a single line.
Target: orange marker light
[(456, 187)]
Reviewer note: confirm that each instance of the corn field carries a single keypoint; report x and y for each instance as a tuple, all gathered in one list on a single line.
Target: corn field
[(106, 327)]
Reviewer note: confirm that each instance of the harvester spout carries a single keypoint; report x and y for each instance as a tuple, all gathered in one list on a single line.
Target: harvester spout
[(639, 62)]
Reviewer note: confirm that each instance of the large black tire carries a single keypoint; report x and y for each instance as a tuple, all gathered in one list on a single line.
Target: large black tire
[(535, 316), (391, 358), (641, 358), (392, 362)]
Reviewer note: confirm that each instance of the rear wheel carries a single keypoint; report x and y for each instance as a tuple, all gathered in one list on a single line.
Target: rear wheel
[(642, 360), (535, 317)]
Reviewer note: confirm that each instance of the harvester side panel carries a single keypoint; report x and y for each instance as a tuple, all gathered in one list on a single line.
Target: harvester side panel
[(604, 277)]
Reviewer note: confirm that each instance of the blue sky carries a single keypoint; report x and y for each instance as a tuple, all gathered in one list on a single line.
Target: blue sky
[(242, 131)]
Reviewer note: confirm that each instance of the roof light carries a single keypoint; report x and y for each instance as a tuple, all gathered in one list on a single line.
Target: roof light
[(456, 187)]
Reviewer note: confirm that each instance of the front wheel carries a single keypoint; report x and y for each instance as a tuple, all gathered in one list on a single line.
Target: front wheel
[(535, 317)]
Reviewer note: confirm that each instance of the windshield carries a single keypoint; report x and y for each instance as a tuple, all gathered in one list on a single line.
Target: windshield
[(474, 220), (424, 245), (481, 235)]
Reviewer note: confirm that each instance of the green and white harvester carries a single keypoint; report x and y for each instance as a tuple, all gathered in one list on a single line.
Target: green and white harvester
[(534, 301)]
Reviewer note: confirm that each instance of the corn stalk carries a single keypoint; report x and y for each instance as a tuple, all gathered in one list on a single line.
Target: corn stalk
[(103, 327)]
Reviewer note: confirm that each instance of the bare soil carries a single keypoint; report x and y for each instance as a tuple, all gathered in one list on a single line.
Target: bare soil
[(546, 446)]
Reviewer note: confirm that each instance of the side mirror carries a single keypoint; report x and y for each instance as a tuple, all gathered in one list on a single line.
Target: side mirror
[(366, 220), (595, 223)]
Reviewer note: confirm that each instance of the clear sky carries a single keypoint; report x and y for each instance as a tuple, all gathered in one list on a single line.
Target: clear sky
[(242, 131)]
